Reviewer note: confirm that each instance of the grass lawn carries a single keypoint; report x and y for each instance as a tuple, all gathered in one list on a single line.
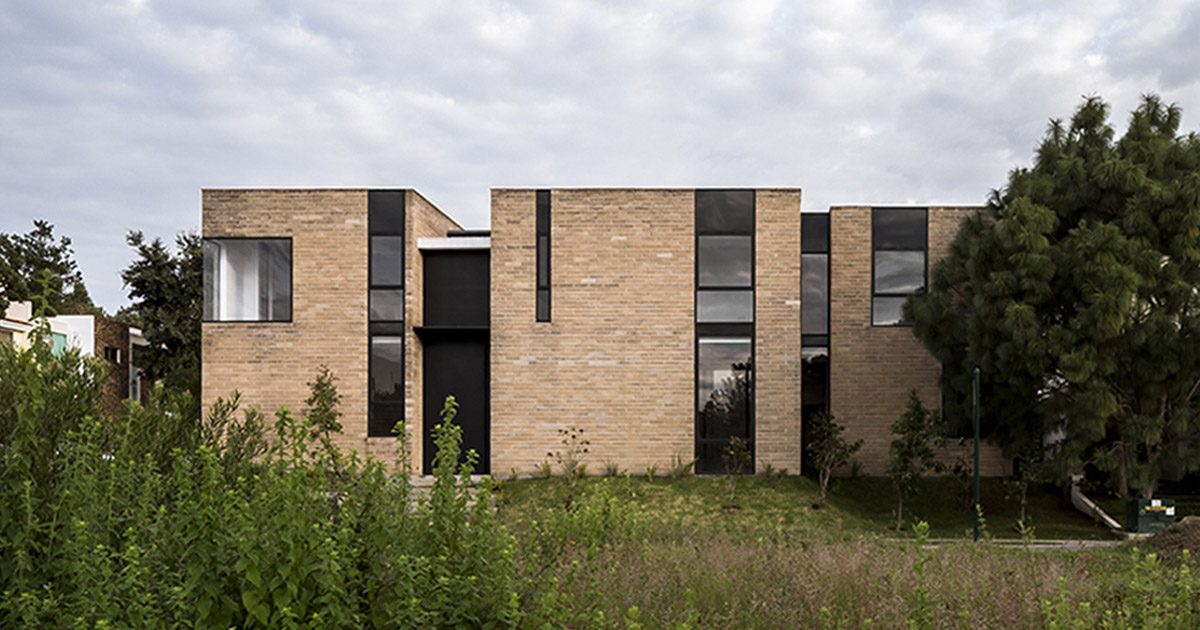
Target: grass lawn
[(854, 507), (632, 553)]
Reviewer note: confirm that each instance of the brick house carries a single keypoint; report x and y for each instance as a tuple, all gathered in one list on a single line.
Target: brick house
[(661, 321)]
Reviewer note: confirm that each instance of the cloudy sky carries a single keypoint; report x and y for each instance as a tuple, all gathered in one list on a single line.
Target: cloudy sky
[(114, 114)]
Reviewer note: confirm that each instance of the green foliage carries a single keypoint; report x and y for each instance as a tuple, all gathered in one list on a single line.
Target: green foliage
[(919, 432), (736, 458), (681, 467), (26, 258), (828, 450), (569, 457), (164, 520), (166, 290), (923, 607), (1074, 292)]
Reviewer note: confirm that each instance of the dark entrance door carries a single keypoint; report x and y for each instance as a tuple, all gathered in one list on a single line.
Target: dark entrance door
[(458, 367)]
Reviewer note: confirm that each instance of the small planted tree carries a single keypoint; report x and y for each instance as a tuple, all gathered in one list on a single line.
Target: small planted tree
[(829, 450), (737, 458), (918, 432)]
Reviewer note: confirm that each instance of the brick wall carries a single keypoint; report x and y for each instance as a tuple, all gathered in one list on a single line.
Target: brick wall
[(270, 363), (872, 368), (777, 329), (617, 359)]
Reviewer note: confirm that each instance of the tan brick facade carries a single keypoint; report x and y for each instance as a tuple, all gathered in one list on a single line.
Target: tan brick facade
[(270, 363), (777, 329), (616, 359), (872, 368)]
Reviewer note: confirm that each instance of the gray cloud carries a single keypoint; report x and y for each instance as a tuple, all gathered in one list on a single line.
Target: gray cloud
[(115, 114)]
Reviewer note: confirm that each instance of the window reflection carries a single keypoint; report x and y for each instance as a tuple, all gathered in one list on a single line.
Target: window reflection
[(887, 311), (387, 305), (725, 211), (814, 300), (387, 368), (724, 306), (725, 261), (899, 272), (898, 228), (723, 389), (387, 264)]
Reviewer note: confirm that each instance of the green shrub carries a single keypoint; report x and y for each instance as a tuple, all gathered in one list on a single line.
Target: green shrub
[(162, 519)]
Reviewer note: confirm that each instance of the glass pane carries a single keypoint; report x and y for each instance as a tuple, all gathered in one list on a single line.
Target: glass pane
[(814, 233), (724, 306), (886, 311), (725, 261), (247, 280), (212, 258), (387, 305), (724, 376), (385, 210), (543, 305), (387, 260), (814, 300), (725, 211), (899, 272), (898, 228), (543, 261), (278, 289), (387, 369), (383, 419)]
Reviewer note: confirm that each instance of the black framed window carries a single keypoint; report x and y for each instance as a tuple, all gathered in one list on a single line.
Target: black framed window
[(900, 253), (247, 279), (724, 324), (543, 256), (385, 299), (814, 270)]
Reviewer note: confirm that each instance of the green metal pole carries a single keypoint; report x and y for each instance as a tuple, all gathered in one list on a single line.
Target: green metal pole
[(975, 405)]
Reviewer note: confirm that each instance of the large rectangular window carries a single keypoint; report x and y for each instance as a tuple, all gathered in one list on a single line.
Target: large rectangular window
[(543, 256), (900, 252), (248, 279), (724, 324), (385, 300)]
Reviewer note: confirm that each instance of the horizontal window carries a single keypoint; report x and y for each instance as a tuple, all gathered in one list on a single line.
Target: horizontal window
[(248, 279), (724, 306), (899, 272)]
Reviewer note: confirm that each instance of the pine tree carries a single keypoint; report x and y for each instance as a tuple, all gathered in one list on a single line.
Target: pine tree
[(1075, 292)]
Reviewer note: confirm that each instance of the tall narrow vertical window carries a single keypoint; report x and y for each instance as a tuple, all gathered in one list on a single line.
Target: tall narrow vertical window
[(814, 270), (724, 324), (900, 251), (385, 300), (543, 255), (247, 279)]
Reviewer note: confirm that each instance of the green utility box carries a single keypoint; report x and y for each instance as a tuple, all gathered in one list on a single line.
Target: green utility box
[(1149, 515)]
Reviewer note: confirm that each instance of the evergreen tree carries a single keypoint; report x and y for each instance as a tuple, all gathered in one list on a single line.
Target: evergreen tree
[(166, 289), (23, 260), (1075, 292), (919, 433)]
